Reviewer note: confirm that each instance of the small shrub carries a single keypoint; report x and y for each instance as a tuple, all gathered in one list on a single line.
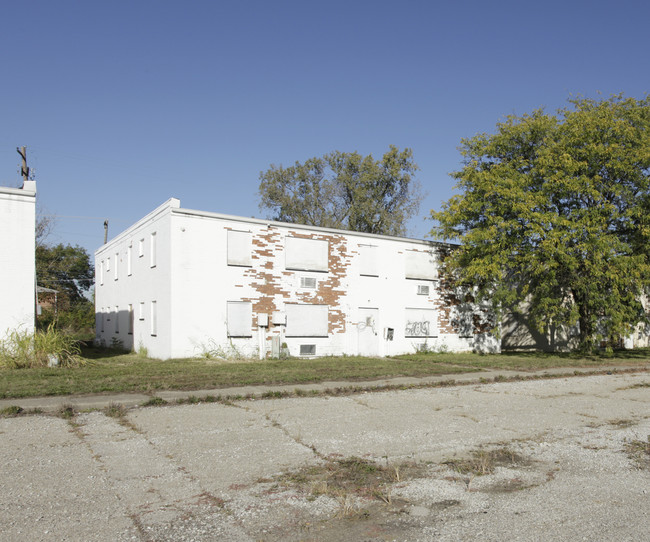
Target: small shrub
[(143, 351), (117, 344)]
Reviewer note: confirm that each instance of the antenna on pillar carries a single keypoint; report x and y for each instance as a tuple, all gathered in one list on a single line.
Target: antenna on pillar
[(24, 170)]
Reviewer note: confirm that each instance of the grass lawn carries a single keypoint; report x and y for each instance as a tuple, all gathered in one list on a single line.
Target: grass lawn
[(109, 371)]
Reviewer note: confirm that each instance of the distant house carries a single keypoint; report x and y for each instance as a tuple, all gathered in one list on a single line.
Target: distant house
[(181, 283), (17, 264)]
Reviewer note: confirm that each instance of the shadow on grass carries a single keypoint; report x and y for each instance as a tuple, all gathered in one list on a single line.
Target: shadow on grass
[(90, 351), (636, 354)]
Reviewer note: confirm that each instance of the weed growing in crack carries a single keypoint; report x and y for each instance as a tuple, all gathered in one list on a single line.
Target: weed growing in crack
[(11, 411), (154, 401), (350, 479), (482, 462), (115, 410), (639, 451), (66, 411)]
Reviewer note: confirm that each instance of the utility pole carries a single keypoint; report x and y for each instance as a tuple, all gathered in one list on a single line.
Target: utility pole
[(24, 170)]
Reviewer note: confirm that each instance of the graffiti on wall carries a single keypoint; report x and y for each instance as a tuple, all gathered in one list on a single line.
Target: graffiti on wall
[(418, 329)]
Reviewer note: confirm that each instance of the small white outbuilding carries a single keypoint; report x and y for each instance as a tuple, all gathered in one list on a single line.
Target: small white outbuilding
[(185, 283)]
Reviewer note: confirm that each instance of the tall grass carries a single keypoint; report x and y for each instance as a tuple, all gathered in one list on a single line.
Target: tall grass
[(21, 349)]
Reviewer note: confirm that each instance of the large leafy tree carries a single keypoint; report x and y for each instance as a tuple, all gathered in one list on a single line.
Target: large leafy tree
[(67, 269), (554, 211), (346, 191)]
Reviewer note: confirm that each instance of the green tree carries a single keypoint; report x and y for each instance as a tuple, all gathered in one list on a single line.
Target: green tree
[(554, 211), (68, 270), (346, 191)]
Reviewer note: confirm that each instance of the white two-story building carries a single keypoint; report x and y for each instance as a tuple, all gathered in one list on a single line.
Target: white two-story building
[(182, 283), (17, 258)]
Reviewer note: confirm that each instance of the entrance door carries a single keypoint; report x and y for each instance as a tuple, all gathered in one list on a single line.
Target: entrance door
[(368, 332)]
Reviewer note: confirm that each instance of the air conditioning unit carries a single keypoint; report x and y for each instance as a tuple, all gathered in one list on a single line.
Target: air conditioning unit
[(423, 289), (308, 282)]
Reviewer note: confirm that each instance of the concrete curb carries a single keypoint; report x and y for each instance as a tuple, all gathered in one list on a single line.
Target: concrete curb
[(131, 400)]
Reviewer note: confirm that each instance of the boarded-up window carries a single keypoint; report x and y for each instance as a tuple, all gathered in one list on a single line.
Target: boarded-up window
[(368, 261), (421, 265), (421, 323), (306, 320), (306, 254), (239, 248), (239, 318)]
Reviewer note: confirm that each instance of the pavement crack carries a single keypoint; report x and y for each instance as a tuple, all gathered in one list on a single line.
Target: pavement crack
[(296, 439)]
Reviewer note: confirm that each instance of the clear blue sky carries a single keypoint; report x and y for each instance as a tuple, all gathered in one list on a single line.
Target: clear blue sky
[(124, 104)]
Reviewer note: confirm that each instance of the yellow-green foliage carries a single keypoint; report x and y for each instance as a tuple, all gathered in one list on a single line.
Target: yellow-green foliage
[(554, 210), (22, 349)]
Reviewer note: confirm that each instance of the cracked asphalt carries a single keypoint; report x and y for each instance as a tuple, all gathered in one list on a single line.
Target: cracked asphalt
[(210, 471)]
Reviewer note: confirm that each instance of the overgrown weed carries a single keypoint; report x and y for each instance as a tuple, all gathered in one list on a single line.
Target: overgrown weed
[(21, 349)]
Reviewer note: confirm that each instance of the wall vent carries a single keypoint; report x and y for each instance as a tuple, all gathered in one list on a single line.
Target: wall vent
[(307, 349), (423, 289), (308, 282)]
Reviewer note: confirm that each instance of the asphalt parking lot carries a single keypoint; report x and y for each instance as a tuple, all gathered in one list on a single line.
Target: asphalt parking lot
[(218, 471)]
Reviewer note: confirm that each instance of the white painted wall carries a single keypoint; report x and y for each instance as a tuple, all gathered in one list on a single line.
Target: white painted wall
[(192, 284), (17, 262), (148, 282)]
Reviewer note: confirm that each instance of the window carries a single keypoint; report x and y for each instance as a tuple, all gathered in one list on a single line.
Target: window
[(421, 265), (108, 263), (423, 289), (141, 311), (141, 248), (421, 323), (306, 254), (308, 282), (101, 273), (117, 319), (306, 320), (129, 269), (152, 248), (307, 349), (102, 316), (239, 248), (154, 318), (368, 261), (239, 317), (130, 331), (117, 260)]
